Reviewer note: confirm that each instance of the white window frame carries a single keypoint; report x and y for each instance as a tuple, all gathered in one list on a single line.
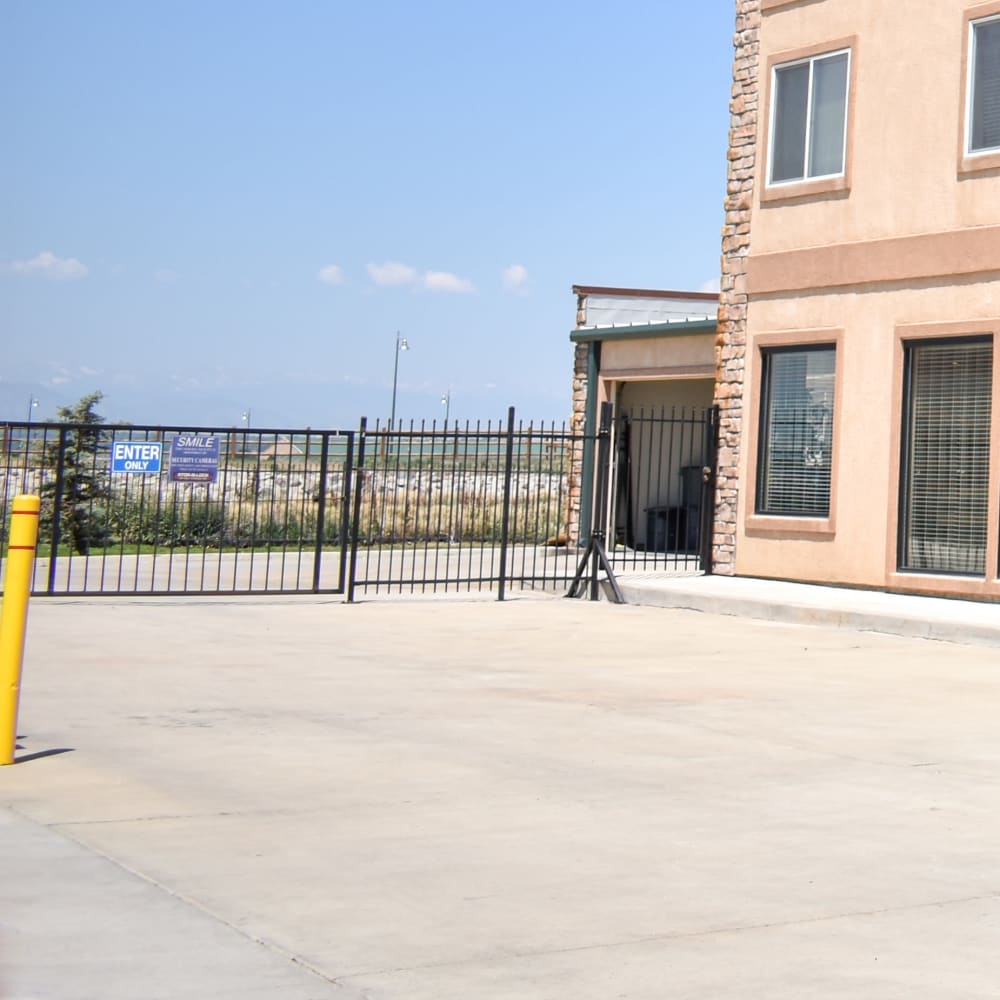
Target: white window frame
[(810, 60), (970, 88)]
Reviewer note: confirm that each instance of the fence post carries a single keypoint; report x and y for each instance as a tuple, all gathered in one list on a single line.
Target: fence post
[(344, 516), (356, 513), (599, 531), (320, 509), (595, 555), (14, 616), (708, 488), (505, 522), (57, 500), (589, 438)]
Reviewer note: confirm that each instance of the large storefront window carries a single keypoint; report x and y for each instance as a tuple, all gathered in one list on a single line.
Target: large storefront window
[(946, 456), (796, 439)]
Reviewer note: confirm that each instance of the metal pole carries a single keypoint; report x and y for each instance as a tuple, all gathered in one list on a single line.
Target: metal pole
[(508, 470), (356, 513), (710, 459), (599, 533), (395, 380), (14, 615), (57, 505), (324, 457), (401, 345)]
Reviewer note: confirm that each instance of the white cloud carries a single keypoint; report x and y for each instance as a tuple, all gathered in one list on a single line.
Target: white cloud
[(164, 276), (65, 375), (48, 265), (392, 272), (443, 281), (331, 275), (712, 285), (515, 277)]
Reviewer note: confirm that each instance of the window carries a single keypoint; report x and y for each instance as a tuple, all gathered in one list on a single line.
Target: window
[(946, 456), (796, 439), (984, 86), (809, 118)]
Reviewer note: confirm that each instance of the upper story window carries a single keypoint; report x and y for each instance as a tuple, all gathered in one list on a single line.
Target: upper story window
[(809, 118), (984, 86)]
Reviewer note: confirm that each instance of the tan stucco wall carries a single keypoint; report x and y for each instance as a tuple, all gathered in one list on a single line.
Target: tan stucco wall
[(867, 425), (905, 130), (656, 355), (691, 395)]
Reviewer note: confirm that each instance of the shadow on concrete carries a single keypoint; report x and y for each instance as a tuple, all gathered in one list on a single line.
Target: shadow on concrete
[(42, 753)]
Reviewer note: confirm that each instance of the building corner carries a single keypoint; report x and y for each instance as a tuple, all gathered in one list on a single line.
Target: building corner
[(730, 347)]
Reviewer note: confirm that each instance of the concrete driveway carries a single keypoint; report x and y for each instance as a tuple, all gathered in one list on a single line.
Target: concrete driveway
[(460, 799)]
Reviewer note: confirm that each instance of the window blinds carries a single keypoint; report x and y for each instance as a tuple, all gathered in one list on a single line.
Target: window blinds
[(797, 432), (986, 86), (947, 457)]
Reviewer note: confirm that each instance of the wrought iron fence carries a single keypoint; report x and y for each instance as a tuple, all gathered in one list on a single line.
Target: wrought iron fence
[(154, 509), (475, 508), (416, 508)]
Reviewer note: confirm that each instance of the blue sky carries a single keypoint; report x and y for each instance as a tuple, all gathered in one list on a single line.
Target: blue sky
[(210, 207)]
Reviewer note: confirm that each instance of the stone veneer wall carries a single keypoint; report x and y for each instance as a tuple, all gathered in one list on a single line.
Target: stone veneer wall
[(730, 344)]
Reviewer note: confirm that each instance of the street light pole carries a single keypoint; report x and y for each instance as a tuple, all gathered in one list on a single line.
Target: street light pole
[(32, 405), (446, 403), (401, 345)]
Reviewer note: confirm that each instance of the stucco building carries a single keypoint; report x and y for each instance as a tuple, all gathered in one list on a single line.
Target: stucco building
[(857, 363)]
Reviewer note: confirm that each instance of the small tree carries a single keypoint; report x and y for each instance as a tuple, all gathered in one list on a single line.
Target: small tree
[(83, 483)]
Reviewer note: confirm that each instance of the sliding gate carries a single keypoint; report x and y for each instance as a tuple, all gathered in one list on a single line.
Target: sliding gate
[(148, 510)]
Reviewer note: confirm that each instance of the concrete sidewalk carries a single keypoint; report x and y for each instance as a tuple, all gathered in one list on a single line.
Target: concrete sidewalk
[(938, 618), (536, 800)]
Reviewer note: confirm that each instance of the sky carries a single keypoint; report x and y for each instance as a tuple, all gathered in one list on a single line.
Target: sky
[(212, 210)]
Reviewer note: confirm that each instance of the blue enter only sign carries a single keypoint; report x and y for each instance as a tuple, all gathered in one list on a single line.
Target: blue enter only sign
[(136, 457)]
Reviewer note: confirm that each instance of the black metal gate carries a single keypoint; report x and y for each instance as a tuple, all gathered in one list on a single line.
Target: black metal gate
[(637, 476), (662, 485), (417, 509), (150, 510), (485, 508)]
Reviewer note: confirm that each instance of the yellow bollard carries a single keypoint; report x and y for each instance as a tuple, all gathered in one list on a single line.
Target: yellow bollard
[(14, 616)]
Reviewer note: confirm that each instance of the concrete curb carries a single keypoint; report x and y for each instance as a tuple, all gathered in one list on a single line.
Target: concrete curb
[(940, 619)]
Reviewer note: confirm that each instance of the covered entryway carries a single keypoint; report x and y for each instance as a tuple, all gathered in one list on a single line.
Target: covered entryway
[(651, 355)]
